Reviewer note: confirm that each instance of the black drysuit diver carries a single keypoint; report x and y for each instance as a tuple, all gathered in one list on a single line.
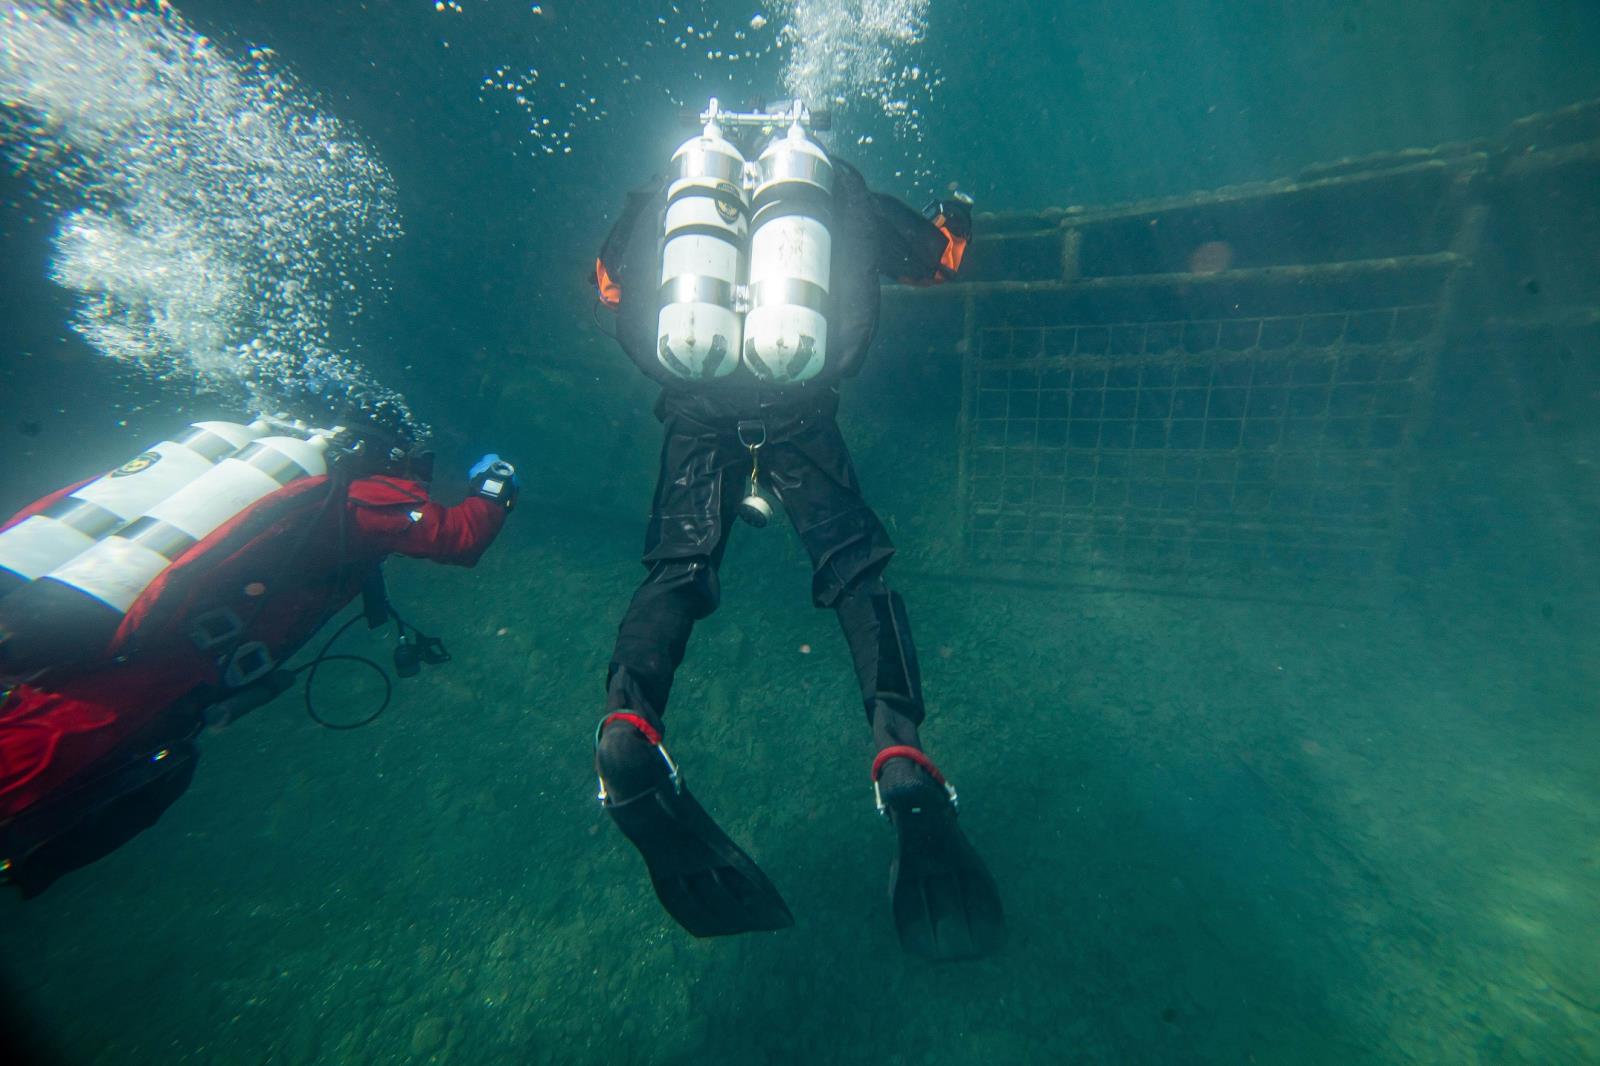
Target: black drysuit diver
[(715, 431)]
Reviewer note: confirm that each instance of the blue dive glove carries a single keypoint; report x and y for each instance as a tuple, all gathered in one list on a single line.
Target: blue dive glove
[(495, 479)]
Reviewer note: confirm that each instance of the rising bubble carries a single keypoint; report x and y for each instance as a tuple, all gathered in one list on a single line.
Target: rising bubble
[(216, 227)]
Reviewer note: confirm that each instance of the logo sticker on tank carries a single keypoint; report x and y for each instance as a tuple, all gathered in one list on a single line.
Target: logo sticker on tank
[(728, 204), (142, 461)]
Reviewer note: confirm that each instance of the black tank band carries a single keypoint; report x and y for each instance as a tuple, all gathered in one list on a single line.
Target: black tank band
[(207, 444), (695, 289), (163, 538), (271, 462), (783, 201), (90, 519), (726, 197), (713, 232), (789, 292)]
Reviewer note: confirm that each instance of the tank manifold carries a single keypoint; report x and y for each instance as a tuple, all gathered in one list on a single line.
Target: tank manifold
[(769, 121)]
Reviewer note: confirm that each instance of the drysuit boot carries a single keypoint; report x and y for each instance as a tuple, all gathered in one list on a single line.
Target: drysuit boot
[(703, 879)]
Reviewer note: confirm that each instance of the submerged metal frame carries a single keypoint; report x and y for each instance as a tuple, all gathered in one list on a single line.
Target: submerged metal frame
[(1282, 436), (1160, 446)]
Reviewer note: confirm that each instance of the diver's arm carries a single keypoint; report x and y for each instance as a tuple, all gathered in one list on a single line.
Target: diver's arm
[(456, 535), (390, 515), (923, 249), (608, 263)]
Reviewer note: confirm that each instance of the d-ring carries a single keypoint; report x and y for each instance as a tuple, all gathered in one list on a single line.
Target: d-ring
[(748, 428)]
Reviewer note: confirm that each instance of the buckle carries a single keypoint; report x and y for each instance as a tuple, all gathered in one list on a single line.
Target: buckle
[(215, 628), (249, 663)]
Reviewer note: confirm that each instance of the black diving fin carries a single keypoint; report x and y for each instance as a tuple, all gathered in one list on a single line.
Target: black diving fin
[(703, 879), (946, 904)]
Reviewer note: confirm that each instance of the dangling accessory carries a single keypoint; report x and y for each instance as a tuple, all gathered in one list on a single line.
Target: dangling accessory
[(754, 508), (412, 648), (416, 647)]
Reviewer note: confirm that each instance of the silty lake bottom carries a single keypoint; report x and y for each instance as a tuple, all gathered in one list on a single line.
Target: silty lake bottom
[(1284, 830)]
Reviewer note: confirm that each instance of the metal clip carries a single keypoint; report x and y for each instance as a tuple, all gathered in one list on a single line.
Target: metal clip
[(883, 808), (755, 450), (747, 437), (747, 430), (249, 663), (673, 774)]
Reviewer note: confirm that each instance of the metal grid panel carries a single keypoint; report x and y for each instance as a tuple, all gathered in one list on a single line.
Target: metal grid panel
[(1193, 445)]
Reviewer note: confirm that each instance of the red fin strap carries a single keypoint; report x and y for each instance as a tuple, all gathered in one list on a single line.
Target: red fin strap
[(651, 733), (901, 751)]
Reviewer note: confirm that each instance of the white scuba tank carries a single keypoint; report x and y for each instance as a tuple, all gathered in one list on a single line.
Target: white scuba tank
[(73, 524), (698, 328), (786, 330), (114, 572)]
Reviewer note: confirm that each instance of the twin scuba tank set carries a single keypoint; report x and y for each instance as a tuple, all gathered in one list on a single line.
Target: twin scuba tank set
[(71, 573), (746, 254), (745, 262)]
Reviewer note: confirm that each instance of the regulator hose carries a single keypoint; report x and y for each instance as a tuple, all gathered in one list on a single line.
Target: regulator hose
[(416, 646), (314, 665)]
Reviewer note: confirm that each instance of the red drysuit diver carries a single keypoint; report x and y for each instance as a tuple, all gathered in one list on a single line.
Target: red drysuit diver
[(96, 737)]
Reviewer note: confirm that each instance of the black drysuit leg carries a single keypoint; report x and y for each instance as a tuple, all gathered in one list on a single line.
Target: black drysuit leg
[(875, 626), (690, 516), (807, 465)]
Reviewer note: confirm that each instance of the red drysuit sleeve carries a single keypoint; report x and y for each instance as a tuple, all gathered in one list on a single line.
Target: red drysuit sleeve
[(389, 515)]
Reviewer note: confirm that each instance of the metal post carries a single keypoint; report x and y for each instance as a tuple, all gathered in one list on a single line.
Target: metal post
[(969, 401)]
